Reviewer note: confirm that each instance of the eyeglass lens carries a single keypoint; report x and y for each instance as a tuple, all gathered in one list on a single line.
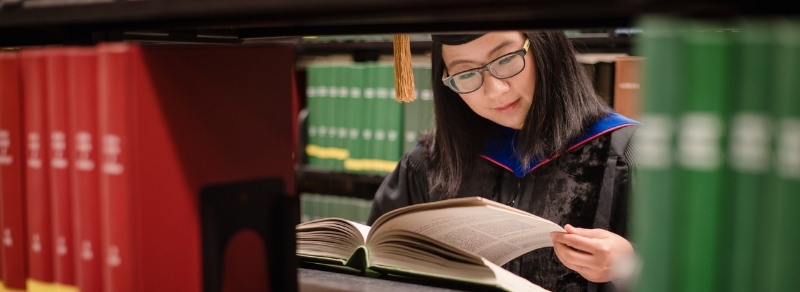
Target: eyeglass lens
[(504, 67)]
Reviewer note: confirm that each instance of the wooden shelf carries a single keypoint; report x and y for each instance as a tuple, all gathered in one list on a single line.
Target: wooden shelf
[(313, 180), (38, 22)]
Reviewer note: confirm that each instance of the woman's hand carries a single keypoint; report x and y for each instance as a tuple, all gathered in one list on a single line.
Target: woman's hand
[(590, 252)]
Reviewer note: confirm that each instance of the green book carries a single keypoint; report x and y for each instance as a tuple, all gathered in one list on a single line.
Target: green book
[(783, 221), (749, 151), (341, 116), (425, 241), (305, 208), (383, 94), (314, 113), (337, 206), (326, 130), (701, 155), (312, 200), (359, 161), (418, 115), (355, 76), (654, 203), (394, 128), (426, 101), (411, 116)]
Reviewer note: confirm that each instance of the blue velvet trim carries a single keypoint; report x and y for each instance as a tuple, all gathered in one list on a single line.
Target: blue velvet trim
[(501, 150)]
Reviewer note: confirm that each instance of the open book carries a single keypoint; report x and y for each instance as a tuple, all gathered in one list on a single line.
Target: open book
[(464, 240)]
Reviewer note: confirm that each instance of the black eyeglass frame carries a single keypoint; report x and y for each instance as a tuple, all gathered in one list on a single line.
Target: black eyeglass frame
[(521, 52)]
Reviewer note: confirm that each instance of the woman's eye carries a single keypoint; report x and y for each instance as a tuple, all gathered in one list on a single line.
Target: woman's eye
[(466, 75), (505, 60)]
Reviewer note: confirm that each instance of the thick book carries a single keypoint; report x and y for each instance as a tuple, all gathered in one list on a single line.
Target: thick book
[(627, 85), (83, 153), (341, 107), (355, 81), (779, 213), (749, 153), (37, 175), (463, 241), (604, 81), (173, 120), (314, 120), (60, 193), (12, 174), (654, 207), (701, 167)]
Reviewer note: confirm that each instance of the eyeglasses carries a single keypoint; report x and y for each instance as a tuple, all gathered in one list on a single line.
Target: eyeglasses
[(506, 66)]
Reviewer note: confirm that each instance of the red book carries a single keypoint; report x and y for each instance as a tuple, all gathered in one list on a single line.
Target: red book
[(60, 194), (627, 89), (37, 178), (84, 147), (173, 120), (12, 178)]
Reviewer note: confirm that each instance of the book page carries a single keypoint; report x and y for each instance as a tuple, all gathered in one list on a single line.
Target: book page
[(491, 232), (363, 229), (332, 238)]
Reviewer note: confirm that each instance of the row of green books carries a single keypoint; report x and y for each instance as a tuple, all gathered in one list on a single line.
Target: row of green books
[(317, 206), (354, 122), (716, 203)]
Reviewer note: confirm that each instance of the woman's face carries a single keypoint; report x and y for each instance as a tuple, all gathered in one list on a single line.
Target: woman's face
[(503, 101)]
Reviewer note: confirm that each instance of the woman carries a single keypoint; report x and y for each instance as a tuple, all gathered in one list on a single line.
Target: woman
[(518, 122)]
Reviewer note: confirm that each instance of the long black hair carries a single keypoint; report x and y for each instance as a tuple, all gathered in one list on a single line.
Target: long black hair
[(564, 104)]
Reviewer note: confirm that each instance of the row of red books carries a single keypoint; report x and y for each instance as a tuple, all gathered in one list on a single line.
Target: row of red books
[(105, 149)]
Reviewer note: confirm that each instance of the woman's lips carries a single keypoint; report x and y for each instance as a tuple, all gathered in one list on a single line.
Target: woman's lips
[(507, 107)]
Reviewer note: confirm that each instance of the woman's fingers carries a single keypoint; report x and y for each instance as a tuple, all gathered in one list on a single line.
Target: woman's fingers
[(590, 252), (575, 256), (585, 244)]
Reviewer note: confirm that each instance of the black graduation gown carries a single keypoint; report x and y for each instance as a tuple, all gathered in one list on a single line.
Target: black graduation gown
[(586, 187)]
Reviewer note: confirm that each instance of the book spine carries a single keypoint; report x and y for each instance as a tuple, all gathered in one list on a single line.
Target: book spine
[(700, 155), (414, 115), (779, 272), (370, 116), (12, 171), (355, 77), (627, 86), (654, 207), (114, 86), (748, 151), (314, 114), (345, 115), (427, 118), (331, 107), (411, 116), (60, 195), (384, 91), (605, 81), (394, 129), (82, 107), (38, 205)]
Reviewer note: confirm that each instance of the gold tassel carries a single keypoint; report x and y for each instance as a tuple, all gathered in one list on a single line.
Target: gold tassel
[(403, 75)]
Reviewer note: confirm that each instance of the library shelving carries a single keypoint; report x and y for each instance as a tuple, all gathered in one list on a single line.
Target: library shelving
[(26, 23)]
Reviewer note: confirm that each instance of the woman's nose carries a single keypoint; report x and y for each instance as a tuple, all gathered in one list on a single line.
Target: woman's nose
[(493, 87)]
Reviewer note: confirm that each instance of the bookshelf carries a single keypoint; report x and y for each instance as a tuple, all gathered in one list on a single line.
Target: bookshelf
[(35, 22), (243, 22), (39, 22)]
